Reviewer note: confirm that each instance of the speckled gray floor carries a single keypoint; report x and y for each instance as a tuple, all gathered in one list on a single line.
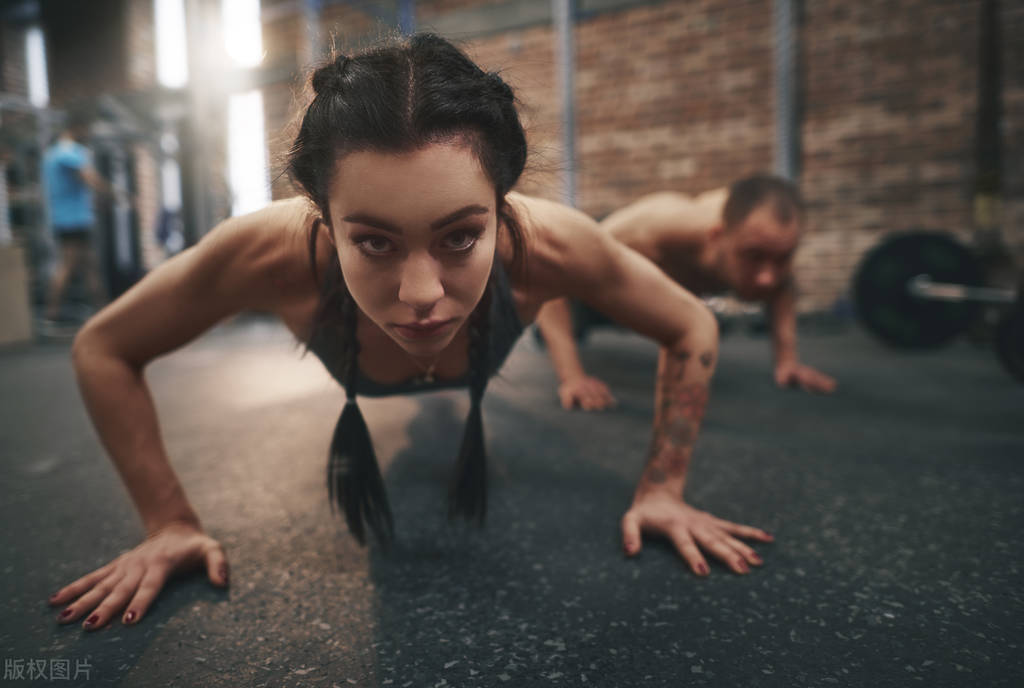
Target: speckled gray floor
[(897, 506)]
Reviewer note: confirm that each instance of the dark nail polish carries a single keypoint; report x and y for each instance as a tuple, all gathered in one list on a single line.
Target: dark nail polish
[(757, 559), (223, 572), (66, 613), (742, 566), (129, 617), (92, 619), (702, 569), (54, 596)]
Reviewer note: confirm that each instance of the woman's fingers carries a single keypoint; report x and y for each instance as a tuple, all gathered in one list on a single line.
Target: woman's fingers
[(593, 402), (91, 599), (217, 565), (131, 582), (599, 395), (631, 538), (149, 587), (589, 394), (687, 548), (745, 550), (744, 531), (716, 544), (115, 601), (567, 397), (80, 586)]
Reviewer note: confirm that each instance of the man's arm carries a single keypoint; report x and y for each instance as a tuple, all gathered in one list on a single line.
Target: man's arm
[(95, 181), (789, 372), (575, 387), (782, 308)]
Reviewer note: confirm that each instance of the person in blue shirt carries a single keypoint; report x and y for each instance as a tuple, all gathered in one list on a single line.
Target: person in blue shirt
[(70, 182)]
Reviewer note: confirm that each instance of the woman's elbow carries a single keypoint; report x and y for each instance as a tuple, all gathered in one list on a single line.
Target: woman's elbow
[(91, 350), (701, 331)]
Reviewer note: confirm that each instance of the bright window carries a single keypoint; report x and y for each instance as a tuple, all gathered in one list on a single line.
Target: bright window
[(247, 153), (243, 36), (35, 59), (171, 52)]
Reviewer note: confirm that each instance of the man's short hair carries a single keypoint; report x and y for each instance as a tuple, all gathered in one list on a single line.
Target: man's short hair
[(79, 117), (749, 193)]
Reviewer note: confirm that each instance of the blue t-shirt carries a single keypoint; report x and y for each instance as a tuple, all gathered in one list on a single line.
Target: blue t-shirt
[(70, 197)]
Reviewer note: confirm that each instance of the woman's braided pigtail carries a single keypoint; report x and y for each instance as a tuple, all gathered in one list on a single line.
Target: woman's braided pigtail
[(354, 481), (467, 495)]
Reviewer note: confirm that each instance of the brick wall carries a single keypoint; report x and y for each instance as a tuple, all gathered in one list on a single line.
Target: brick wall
[(675, 95), (141, 45), (1012, 27), (889, 102), (679, 95), (429, 10), (526, 60), (141, 75)]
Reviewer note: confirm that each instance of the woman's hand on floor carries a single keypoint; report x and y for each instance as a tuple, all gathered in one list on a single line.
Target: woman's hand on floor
[(662, 513), (132, 581), (587, 393)]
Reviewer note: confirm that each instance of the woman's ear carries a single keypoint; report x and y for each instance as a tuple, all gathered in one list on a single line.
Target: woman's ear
[(328, 233)]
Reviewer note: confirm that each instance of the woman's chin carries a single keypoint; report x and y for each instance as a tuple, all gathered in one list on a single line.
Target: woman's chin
[(425, 348)]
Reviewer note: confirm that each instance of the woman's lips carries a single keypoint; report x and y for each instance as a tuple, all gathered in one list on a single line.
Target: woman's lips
[(423, 330)]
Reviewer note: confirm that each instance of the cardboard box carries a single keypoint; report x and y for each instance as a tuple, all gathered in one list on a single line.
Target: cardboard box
[(15, 311)]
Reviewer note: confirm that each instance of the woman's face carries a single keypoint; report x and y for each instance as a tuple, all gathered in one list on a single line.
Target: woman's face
[(415, 234)]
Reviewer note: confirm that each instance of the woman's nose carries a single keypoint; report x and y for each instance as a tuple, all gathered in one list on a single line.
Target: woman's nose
[(421, 284)]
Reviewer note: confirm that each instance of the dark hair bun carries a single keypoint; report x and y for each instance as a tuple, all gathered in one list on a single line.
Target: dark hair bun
[(329, 77), (502, 89)]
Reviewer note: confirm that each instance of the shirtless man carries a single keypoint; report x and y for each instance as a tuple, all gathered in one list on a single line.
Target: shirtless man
[(741, 239)]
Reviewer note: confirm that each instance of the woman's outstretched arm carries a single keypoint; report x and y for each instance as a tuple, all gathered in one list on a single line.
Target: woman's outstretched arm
[(234, 268), (574, 258)]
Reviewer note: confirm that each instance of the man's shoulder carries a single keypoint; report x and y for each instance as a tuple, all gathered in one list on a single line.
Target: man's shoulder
[(665, 218)]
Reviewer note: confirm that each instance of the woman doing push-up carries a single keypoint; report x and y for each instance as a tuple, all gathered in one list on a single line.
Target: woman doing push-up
[(409, 264)]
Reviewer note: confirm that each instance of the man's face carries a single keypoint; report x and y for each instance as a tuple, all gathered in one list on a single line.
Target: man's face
[(758, 254)]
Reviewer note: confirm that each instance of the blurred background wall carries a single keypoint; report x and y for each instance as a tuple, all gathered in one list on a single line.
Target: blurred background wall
[(889, 114)]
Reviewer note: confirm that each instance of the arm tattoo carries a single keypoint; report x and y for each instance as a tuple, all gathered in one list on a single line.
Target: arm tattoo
[(681, 401)]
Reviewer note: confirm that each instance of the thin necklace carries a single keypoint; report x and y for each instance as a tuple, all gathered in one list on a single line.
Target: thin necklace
[(428, 371)]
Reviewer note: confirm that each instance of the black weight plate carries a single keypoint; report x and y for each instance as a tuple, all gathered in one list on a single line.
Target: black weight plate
[(1010, 340), (881, 289)]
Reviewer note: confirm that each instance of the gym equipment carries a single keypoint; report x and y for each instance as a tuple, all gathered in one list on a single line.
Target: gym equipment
[(893, 281), (920, 289), (728, 311)]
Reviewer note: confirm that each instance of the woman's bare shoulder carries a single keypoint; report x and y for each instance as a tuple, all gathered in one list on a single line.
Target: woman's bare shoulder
[(250, 262), (549, 227), (269, 249), (558, 239)]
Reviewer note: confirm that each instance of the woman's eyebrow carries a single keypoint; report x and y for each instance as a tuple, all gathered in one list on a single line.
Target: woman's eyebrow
[(458, 215), (370, 221)]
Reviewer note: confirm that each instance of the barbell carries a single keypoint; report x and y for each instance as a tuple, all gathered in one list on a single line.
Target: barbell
[(920, 289)]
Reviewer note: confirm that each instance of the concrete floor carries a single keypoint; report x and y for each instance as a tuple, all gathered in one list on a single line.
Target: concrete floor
[(896, 504)]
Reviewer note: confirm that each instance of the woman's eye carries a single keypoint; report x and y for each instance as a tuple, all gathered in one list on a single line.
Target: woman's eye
[(375, 245), (460, 241)]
